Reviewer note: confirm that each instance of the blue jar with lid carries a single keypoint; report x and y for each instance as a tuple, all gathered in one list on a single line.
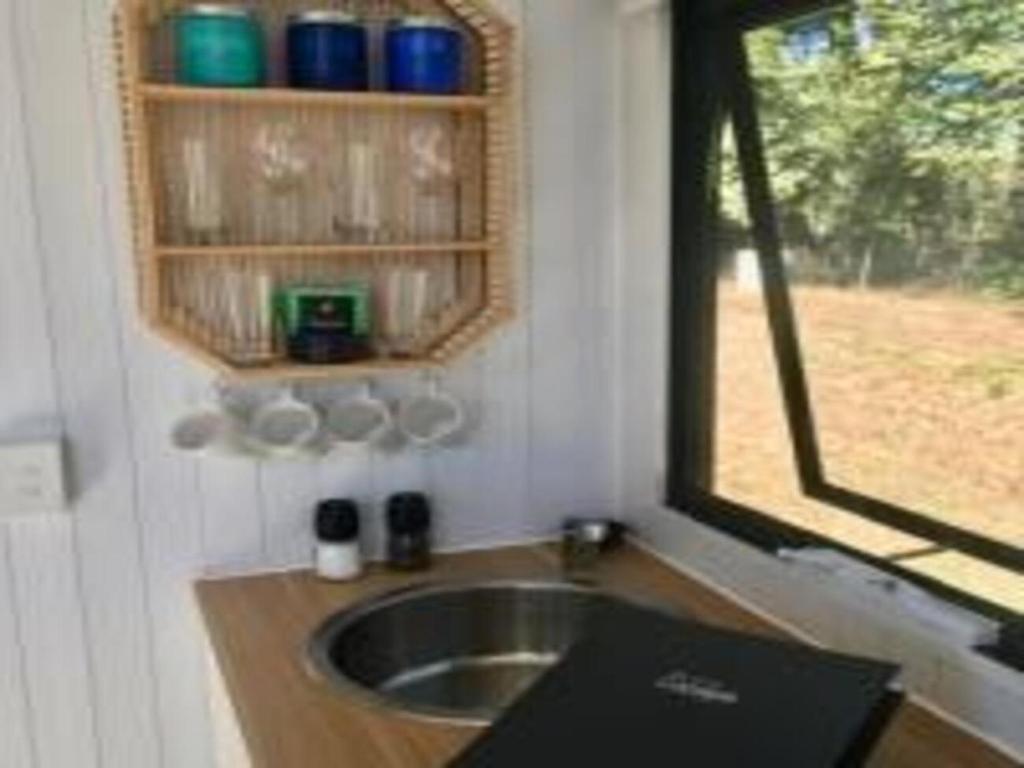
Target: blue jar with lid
[(219, 46), (327, 50), (424, 55)]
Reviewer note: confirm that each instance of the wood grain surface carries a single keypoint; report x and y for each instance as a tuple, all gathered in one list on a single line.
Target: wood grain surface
[(259, 626)]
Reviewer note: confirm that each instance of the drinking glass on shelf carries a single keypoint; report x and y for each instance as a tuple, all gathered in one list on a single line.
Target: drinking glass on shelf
[(355, 184), (433, 180), (405, 312), (204, 194), (283, 157), (433, 167), (248, 328)]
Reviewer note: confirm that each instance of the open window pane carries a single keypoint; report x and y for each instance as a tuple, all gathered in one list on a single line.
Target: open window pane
[(894, 135)]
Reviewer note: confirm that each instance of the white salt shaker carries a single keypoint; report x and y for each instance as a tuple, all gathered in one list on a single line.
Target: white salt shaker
[(338, 557)]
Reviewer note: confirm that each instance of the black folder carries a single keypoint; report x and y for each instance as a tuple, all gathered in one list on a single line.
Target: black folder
[(643, 690)]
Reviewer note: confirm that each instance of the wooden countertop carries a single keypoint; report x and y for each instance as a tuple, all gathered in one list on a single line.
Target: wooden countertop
[(259, 626)]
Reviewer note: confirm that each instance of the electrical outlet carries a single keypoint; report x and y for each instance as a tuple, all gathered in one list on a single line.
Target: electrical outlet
[(32, 479)]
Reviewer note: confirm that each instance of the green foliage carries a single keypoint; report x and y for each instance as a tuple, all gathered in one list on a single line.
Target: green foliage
[(1001, 277), (897, 153)]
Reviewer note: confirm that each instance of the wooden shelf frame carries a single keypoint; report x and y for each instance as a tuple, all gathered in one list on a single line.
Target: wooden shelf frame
[(286, 371), (318, 251), (496, 106), (288, 97)]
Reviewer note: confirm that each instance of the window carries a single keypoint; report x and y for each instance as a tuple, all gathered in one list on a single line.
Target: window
[(847, 362)]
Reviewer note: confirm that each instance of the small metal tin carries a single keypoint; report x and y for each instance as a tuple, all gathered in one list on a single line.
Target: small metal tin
[(584, 540)]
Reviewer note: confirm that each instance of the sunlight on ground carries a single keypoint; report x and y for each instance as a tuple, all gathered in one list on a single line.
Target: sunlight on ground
[(919, 400)]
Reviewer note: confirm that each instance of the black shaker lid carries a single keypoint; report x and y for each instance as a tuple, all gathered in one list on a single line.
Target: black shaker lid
[(408, 513), (337, 521)]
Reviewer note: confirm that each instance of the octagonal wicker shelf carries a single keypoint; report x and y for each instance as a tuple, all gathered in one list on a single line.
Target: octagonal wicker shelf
[(237, 193)]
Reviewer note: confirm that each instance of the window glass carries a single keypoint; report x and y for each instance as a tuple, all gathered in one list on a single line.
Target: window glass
[(894, 134)]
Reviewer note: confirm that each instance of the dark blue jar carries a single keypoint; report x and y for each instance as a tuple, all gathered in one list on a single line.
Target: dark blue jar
[(327, 50), (424, 55)]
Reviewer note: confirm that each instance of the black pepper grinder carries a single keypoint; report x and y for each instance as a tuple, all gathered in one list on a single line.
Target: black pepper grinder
[(409, 519)]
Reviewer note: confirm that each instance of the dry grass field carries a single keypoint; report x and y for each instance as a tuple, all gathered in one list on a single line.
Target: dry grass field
[(919, 399)]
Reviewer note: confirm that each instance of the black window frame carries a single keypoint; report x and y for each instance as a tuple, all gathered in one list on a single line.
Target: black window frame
[(711, 84)]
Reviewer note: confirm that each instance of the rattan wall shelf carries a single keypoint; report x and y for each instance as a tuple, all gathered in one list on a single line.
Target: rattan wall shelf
[(239, 192)]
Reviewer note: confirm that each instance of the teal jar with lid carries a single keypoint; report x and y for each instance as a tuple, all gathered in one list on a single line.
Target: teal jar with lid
[(219, 46)]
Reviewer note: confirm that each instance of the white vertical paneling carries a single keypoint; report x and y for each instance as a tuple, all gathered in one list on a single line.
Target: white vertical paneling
[(643, 202), (169, 512), (555, 284), (234, 533), (505, 388), (506, 509), (46, 719), (26, 386), (54, 65), (173, 544), (291, 491), (454, 479), (16, 743), (61, 691), (570, 341), (593, 174)]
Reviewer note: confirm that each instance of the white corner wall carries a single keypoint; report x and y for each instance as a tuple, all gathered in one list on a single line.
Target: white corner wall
[(980, 694), (101, 662)]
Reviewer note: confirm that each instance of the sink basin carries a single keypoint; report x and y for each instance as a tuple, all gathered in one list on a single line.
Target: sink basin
[(458, 653)]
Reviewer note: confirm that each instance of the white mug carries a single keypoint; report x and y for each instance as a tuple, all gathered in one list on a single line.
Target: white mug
[(432, 418), (360, 421), (205, 430), (284, 426)]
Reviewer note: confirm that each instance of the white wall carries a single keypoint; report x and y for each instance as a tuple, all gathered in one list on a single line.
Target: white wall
[(100, 655), (981, 694)]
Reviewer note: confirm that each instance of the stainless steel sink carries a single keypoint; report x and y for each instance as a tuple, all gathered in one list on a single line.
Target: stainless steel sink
[(456, 652)]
